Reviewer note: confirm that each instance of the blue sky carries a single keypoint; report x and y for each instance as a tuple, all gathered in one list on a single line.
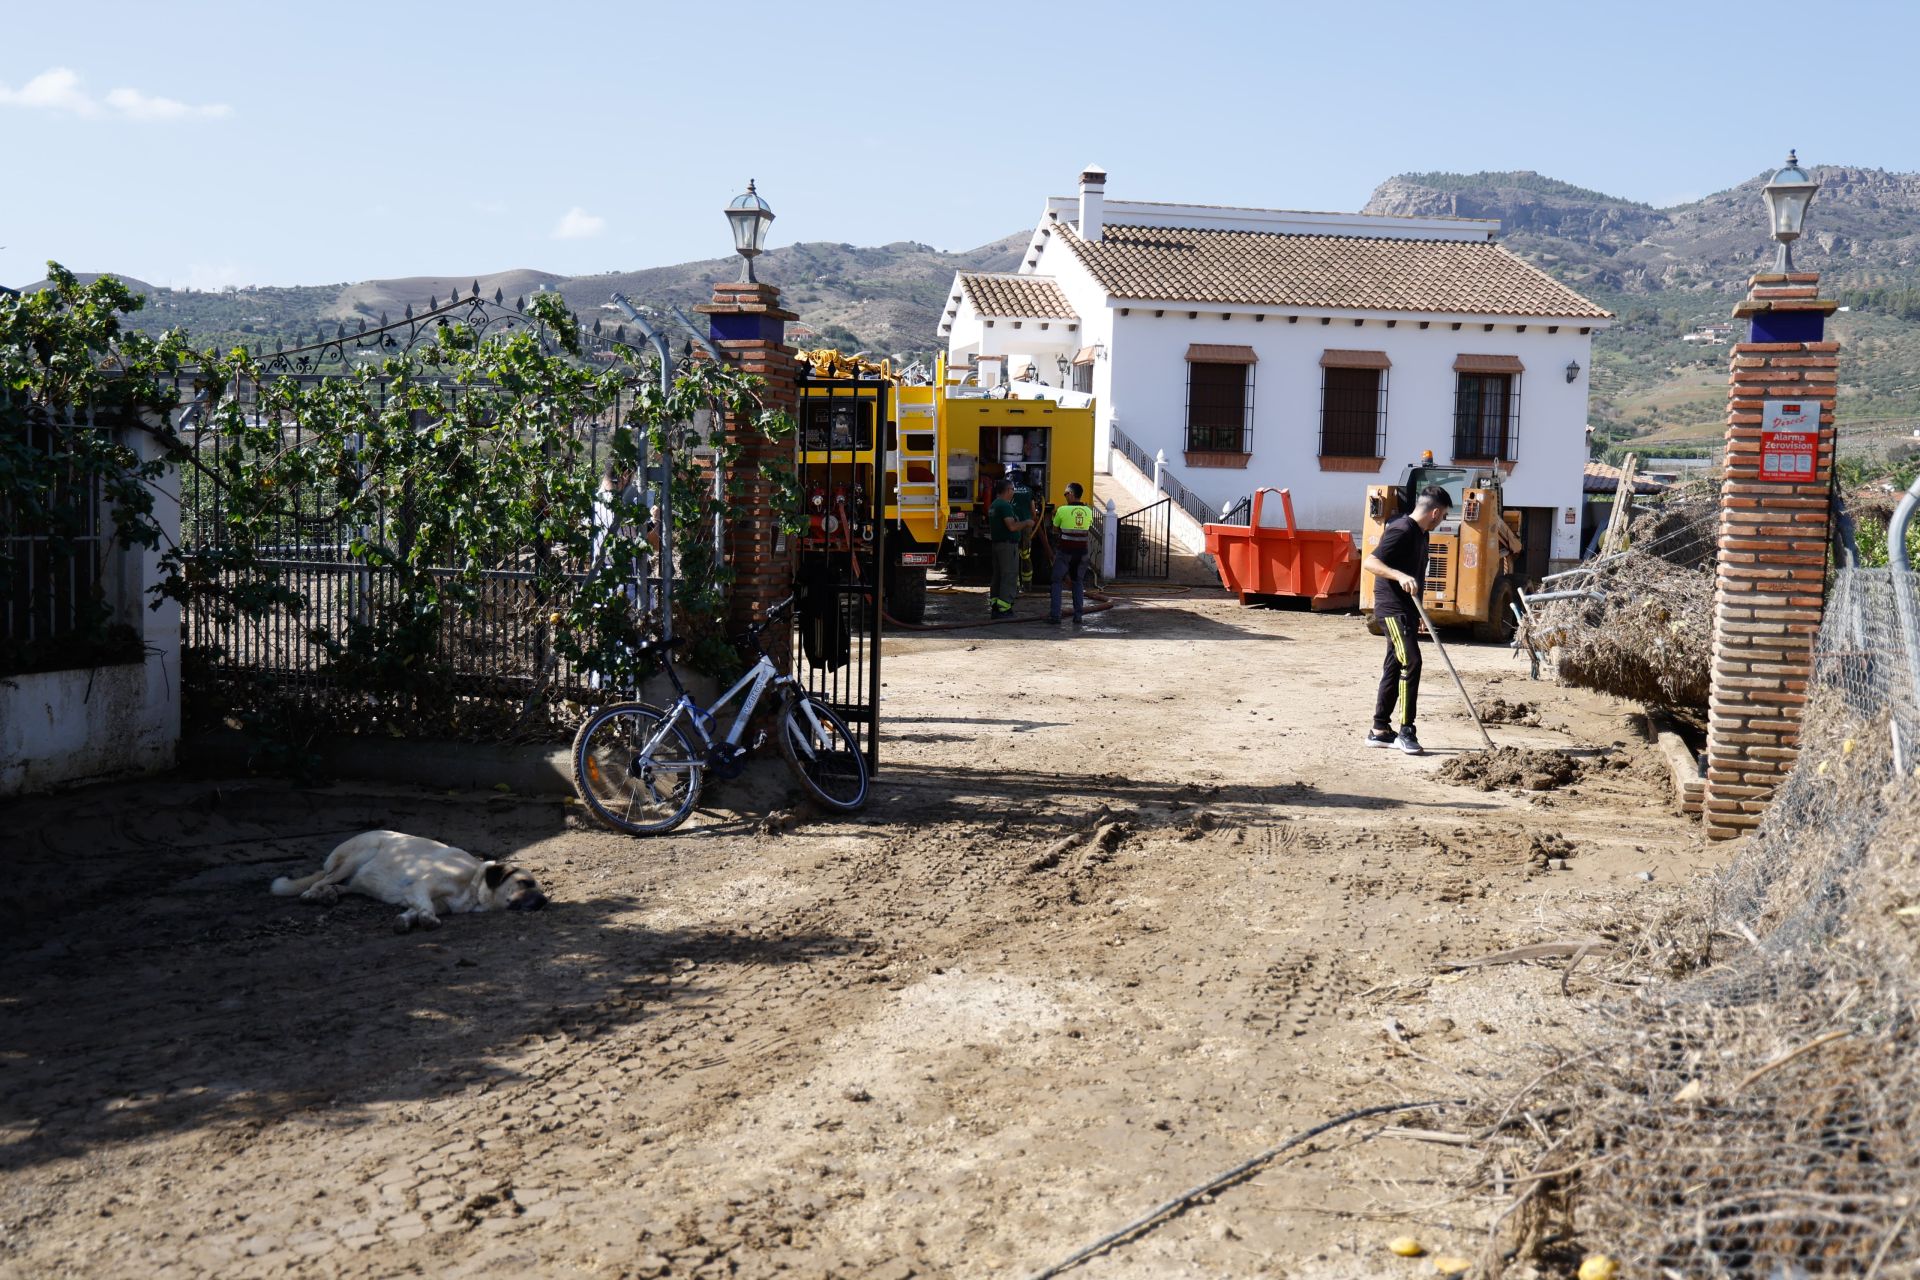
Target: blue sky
[(206, 144)]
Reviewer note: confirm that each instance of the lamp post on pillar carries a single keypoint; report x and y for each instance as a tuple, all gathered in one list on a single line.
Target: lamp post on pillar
[(1788, 194), (1775, 513), (748, 329), (750, 216)]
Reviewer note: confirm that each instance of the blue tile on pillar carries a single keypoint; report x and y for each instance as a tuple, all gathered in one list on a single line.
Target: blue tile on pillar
[(747, 326), (1787, 326)]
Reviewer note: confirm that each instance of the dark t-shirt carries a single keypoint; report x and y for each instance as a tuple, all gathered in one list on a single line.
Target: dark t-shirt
[(997, 516), (1402, 546)]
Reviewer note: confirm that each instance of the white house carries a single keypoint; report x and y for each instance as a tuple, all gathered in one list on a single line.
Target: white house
[(1320, 352)]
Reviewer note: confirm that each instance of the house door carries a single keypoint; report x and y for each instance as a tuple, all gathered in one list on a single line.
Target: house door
[(1536, 533)]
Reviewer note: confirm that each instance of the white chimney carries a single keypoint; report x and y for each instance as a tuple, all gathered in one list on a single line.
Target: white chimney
[(1093, 202)]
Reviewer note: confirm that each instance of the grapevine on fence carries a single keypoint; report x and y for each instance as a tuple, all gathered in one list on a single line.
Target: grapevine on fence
[(69, 373)]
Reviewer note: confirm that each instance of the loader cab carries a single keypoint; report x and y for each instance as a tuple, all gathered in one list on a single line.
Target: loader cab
[(1455, 480)]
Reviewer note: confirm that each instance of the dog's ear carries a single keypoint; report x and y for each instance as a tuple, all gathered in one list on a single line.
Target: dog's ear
[(496, 872)]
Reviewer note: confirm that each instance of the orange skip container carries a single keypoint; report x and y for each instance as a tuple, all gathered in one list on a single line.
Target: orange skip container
[(1318, 565)]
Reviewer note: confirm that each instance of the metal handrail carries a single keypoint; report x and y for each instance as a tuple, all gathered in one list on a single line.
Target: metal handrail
[(1188, 501)]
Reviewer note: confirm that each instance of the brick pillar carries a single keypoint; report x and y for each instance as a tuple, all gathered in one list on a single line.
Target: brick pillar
[(749, 328), (1769, 589)]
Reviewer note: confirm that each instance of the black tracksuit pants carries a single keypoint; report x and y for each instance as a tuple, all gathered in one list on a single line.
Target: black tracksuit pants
[(1400, 675)]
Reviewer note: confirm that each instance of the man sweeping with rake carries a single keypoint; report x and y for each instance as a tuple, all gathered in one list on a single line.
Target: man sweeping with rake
[(1399, 563)]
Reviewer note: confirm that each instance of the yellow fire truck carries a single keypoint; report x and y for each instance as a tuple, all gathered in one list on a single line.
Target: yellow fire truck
[(930, 454), (1472, 565)]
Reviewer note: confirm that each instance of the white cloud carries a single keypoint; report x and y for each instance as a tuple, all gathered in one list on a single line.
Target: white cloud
[(136, 105), (578, 224), (60, 89)]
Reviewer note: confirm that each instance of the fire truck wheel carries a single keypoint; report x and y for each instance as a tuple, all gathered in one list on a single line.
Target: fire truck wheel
[(907, 594)]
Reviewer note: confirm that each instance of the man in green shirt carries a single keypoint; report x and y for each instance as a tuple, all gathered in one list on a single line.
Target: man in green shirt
[(1007, 530), (1023, 507)]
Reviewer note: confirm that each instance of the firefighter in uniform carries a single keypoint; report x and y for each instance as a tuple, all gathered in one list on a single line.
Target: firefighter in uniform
[(1072, 531)]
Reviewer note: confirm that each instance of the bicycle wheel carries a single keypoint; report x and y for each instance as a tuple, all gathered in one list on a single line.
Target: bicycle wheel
[(627, 787), (823, 753)]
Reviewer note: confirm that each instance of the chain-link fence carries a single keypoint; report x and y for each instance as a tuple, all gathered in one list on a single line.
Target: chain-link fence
[(1751, 1109)]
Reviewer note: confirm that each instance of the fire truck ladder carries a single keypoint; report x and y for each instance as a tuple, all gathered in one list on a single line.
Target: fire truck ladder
[(917, 464)]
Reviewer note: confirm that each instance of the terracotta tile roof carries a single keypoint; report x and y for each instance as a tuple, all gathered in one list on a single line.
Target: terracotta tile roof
[(999, 295), (1602, 477), (1357, 273)]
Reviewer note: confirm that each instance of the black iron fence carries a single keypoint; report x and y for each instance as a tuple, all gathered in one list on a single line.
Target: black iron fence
[(278, 628)]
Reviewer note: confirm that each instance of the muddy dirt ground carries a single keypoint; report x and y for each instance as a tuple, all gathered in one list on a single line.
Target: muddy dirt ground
[(923, 1042)]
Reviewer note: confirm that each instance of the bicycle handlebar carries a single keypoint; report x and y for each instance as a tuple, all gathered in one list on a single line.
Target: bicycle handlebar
[(750, 636)]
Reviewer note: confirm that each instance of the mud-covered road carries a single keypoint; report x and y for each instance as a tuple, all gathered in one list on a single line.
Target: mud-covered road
[(927, 1042)]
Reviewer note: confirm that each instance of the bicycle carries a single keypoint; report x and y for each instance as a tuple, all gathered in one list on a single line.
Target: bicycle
[(638, 768)]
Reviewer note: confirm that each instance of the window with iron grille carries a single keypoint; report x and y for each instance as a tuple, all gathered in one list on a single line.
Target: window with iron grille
[(1083, 378), (1219, 407), (52, 615), (1353, 413), (1486, 416)]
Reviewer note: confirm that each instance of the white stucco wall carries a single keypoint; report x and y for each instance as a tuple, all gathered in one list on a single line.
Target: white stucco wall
[(64, 727), (1139, 381), (1147, 387)]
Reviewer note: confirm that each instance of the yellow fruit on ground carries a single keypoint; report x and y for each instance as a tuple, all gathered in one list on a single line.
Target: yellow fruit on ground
[(1406, 1246), (1599, 1266), (1453, 1266)]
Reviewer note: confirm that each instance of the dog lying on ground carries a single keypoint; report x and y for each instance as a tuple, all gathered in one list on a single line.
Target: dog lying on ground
[(422, 875)]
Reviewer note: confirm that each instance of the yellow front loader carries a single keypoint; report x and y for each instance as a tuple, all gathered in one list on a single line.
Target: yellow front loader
[(1472, 555)]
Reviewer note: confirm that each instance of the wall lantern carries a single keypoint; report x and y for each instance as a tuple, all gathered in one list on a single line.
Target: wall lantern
[(750, 217), (1787, 195), (1573, 370), (1063, 364)]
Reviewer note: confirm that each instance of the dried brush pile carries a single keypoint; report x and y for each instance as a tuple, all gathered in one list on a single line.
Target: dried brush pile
[(1644, 630), (1753, 1106)]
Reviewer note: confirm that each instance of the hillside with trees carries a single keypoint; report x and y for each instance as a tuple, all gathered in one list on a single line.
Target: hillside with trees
[(1663, 272)]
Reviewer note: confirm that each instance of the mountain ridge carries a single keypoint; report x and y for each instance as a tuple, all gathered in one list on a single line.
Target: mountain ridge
[(1663, 271)]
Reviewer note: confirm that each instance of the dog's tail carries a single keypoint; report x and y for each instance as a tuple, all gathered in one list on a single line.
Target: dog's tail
[(285, 888)]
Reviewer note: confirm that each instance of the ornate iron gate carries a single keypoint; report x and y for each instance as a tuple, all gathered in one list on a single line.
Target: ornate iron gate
[(841, 453), (1146, 542)]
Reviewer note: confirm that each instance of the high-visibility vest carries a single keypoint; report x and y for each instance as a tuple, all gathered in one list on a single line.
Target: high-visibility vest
[(1073, 521)]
